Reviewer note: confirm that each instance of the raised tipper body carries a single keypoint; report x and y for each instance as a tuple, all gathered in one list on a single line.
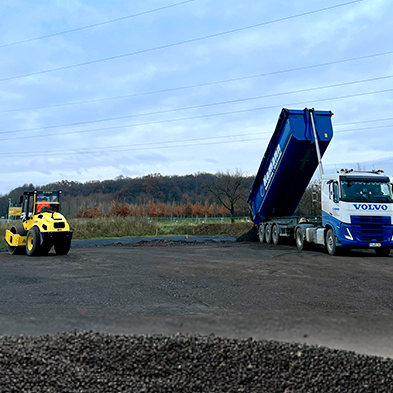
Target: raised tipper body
[(357, 207)]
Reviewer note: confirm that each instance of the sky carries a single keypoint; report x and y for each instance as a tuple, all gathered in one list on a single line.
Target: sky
[(93, 90)]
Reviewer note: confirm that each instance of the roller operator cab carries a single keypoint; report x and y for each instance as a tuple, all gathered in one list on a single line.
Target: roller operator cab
[(41, 227), (357, 210)]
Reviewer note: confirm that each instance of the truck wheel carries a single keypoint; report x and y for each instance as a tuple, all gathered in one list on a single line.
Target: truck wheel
[(63, 247), (33, 242), (299, 238), (382, 251), (268, 233), (261, 233), (275, 235), (330, 242)]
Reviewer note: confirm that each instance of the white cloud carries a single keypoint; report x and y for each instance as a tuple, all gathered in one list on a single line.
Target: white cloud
[(355, 30)]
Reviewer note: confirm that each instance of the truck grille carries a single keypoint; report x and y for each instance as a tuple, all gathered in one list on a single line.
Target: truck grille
[(372, 228)]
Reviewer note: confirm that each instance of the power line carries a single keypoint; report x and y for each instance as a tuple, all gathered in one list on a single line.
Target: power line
[(121, 147), (363, 121), (364, 129), (160, 145), (95, 24), (200, 106), (214, 83), (29, 154), (194, 117), (180, 42)]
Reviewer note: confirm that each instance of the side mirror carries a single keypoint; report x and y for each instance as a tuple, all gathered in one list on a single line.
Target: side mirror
[(20, 199)]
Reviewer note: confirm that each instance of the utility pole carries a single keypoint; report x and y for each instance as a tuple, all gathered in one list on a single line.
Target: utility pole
[(9, 205)]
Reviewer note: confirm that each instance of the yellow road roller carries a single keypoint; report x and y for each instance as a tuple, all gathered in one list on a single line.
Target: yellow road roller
[(41, 226)]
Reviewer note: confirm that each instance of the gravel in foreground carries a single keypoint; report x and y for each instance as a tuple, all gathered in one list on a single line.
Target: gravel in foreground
[(80, 361)]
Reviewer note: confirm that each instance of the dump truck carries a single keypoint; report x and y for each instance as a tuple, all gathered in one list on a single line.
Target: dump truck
[(356, 207), (41, 225)]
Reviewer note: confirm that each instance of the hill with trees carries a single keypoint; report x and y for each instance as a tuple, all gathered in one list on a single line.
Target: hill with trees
[(199, 190), (154, 195)]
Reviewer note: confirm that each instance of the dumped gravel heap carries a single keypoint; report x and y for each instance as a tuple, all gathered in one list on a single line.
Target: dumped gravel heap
[(95, 362), (250, 236)]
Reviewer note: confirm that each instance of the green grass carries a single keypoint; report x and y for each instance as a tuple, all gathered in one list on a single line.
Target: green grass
[(94, 228), (115, 227), (196, 221), (3, 227)]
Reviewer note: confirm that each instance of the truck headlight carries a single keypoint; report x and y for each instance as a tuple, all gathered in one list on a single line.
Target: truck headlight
[(348, 236)]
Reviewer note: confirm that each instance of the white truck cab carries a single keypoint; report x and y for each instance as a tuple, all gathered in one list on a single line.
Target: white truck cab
[(357, 210)]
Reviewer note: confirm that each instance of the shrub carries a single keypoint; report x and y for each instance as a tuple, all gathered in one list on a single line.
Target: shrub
[(90, 212), (117, 209)]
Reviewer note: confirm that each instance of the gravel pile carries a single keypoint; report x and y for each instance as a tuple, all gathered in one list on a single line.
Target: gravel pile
[(95, 362), (250, 236), (162, 243)]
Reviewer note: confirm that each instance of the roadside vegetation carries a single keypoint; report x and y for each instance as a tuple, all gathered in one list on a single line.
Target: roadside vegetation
[(129, 226), (153, 193), (116, 227), (202, 205)]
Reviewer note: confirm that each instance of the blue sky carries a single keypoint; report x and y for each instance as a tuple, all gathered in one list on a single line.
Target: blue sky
[(183, 87)]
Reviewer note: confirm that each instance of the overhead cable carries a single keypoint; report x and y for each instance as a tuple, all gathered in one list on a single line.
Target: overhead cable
[(94, 24), (136, 145), (187, 118), (203, 106), (60, 153), (178, 43), (209, 84), (363, 121), (160, 144)]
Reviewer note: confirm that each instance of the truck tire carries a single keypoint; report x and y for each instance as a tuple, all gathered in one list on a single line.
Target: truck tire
[(299, 239), (261, 233), (275, 235), (33, 242), (330, 242), (268, 233), (382, 251)]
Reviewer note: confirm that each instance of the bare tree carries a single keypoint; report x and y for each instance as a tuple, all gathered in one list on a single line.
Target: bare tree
[(310, 204), (229, 189)]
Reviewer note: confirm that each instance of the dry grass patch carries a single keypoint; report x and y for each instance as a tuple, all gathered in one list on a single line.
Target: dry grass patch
[(93, 228), (114, 227)]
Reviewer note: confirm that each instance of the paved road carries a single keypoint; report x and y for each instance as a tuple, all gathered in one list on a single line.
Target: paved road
[(231, 289)]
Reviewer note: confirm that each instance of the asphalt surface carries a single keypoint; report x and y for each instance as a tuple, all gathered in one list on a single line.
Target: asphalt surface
[(230, 289), (144, 239)]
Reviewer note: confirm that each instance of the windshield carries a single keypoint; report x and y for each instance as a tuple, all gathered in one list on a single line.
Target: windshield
[(47, 201), (366, 191)]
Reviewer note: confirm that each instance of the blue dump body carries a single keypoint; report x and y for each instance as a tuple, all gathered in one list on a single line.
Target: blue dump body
[(289, 163)]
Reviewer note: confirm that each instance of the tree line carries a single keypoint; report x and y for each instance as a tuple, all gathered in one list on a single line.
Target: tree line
[(153, 210), (155, 195), (198, 190)]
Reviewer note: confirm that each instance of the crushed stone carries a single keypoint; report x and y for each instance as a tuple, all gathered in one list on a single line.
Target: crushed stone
[(80, 361)]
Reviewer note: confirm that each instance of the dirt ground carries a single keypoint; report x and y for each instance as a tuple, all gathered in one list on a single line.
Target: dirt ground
[(233, 289)]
